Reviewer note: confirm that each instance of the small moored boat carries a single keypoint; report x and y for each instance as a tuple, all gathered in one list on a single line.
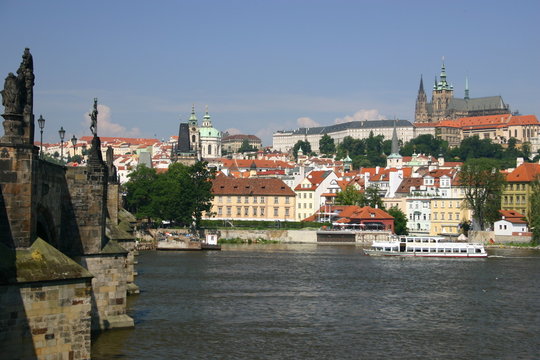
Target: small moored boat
[(426, 246)]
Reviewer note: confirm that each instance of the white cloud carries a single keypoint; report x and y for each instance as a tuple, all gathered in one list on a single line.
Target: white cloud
[(106, 127), (307, 122), (360, 115), (266, 135)]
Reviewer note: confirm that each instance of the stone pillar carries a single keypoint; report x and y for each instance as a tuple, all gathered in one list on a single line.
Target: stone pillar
[(17, 190)]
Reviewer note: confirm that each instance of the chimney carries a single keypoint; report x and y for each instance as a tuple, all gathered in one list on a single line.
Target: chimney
[(377, 168), (519, 161)]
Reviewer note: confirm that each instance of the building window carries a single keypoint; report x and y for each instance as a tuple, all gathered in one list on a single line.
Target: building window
[(228, 199), (299, 205), (238, 210), (254, 211), (435, 216), (262, 199), (442, 216), (246, 199), (229, 213), (276, 200), (261, 211), (275, 211), (209, 149), (254, 199), (450, 216), (219, 210), (286, 211), (239, 199), (287, 200), (246, 211)]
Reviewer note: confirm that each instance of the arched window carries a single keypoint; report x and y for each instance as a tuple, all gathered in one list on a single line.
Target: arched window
[(209, 149), (193, 138)]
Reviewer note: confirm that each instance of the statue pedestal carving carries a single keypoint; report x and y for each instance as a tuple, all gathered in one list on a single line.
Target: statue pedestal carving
[(13, 128)]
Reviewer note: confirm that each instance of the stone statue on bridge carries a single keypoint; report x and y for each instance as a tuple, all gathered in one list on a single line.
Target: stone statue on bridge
[(13, 95), (18, 101), (93, 118)]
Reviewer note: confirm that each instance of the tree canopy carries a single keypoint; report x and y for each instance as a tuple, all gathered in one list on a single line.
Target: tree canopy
[(534, 214), (400, 220), (304, 145), (326, 145), (245, 147), (425, 144), (483, 185), (363, 152), (182, 194), (351, 196)]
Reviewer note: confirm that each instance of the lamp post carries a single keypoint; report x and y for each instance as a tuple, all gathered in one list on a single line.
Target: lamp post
[(41, 123), (62, 133), (73, 142)]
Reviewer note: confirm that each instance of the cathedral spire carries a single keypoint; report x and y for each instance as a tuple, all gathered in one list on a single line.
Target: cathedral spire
[(395, 143), (466, 88), (421, 89)]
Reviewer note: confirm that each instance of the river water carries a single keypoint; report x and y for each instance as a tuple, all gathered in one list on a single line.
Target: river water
[(329, 302)]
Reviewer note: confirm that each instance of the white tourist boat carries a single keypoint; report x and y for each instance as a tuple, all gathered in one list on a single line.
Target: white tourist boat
[(425, 246)]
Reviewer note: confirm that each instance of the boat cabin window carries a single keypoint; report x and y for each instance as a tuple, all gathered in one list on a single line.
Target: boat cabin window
[(478, 251), (425, 249), (440, 250), (432, 250), (463, 250)]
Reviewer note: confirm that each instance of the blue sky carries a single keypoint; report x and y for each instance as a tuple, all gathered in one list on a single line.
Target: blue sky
[(263, 66)]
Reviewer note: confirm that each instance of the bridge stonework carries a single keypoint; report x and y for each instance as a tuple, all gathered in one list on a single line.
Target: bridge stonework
[(63, 272)]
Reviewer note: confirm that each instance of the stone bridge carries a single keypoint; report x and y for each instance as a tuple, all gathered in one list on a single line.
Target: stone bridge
[(66, 245)]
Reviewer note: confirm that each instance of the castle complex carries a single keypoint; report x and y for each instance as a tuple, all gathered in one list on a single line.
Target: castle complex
[(444, 105)]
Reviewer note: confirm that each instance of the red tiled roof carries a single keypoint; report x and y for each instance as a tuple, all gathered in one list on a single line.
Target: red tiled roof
[(223, 185), (106, 139), (525, 172), (407, 183), (346, 213), (490, 121), (260, 164)]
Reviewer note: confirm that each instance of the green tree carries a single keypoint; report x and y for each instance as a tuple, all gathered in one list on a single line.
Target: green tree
[(182, 194), (472, 148), (304, 145), (326, 145), (400, 220), (483, 183), (534, 214), (425, 144), (372, 198), (245, 147), (139, 191), (200, 177), (349, 196)]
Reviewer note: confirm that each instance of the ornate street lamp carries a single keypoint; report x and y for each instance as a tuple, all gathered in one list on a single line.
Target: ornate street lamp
[(73, 142), (41, 123), (62, 133)]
